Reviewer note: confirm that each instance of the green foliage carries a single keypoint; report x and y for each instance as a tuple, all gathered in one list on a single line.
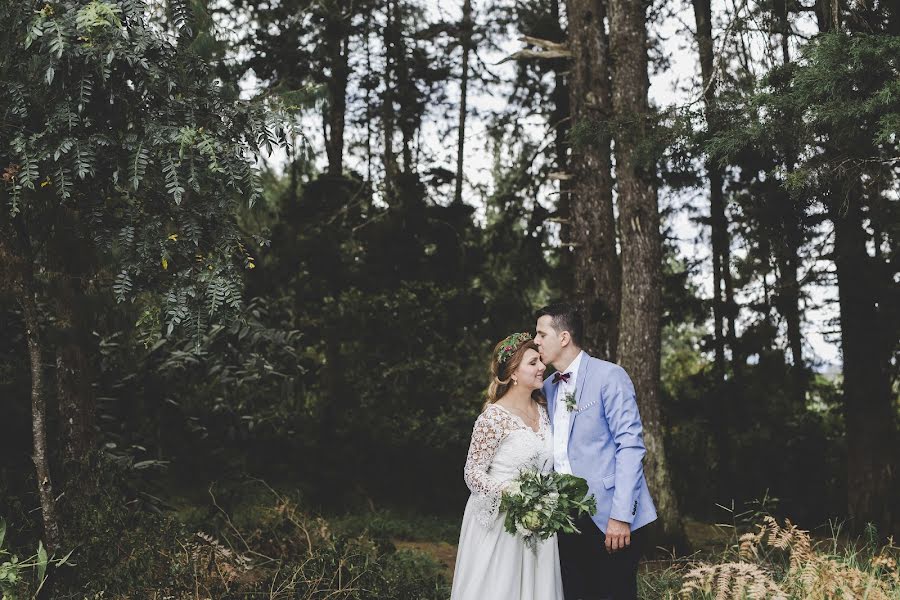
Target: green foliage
[(845, 89), (26, 577), (137, 136)]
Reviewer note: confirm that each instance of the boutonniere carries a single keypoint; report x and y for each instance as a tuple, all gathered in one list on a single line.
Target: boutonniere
[(570, 401)]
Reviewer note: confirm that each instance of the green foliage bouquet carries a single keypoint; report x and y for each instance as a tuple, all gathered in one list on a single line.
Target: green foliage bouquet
[(538, 505)]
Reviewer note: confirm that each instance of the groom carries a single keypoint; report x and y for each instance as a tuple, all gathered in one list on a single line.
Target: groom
[(597, 435)]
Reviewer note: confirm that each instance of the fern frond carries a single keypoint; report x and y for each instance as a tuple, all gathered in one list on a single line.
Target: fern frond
[(85, 91), (182, 16), (173, 185), (140, 159), (64, 183), (122, 286)]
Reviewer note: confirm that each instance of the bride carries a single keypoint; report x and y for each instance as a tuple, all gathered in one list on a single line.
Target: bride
[(512, 432)]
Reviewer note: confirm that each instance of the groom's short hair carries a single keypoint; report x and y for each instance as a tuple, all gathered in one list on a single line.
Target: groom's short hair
[(566, 317)]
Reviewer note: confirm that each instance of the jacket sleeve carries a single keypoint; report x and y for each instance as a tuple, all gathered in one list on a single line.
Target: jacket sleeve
[(628, 434)]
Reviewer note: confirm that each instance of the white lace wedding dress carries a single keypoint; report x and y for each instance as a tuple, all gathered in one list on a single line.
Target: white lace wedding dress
[(492, 564)]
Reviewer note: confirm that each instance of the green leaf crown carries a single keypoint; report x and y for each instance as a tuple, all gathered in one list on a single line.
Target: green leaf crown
[(509, 346)]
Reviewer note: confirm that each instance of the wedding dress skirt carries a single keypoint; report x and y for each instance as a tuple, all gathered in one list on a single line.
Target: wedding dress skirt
[(492, 564)]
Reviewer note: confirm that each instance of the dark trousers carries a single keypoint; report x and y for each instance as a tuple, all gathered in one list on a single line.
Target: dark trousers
[(589, 572)]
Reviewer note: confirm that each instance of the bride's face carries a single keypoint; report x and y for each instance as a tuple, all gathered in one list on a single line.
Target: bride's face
[(530, 372)]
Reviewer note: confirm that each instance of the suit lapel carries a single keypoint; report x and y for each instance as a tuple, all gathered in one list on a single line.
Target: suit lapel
[(583, 373)]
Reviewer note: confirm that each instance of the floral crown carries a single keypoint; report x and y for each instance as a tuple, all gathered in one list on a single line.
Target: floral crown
[(509, 346)]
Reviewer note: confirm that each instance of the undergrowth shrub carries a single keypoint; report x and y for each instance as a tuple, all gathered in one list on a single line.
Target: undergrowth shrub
[(281, 554)]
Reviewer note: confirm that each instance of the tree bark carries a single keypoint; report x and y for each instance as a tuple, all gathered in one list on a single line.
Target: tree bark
[(598, 276), (465, 40), (336, 47), (868, 398), (21, 266), (639, 223), (39, 420), (828, 15)]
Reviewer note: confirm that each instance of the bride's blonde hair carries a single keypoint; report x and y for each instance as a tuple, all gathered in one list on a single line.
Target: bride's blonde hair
[(502, 370)]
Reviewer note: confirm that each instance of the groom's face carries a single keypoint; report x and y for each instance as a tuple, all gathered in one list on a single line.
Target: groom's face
[(547, 339)]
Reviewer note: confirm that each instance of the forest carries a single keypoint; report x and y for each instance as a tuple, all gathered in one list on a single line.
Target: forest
[(255, 256)]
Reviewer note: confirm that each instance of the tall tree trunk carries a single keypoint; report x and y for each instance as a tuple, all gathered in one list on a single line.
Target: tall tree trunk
[(407, 94), (788, 247), (598, 276), (639, 224), (868, 399), (721, 254), (336, 46), (388, 115), (465, 40), (370, 109), (561, 120), (789, 294), (866, 346)]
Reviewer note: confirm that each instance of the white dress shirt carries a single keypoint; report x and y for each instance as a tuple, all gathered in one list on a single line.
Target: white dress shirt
[(561, 416)]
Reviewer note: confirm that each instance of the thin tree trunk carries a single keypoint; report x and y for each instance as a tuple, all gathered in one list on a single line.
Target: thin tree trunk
[(465, 42), (41, 459), (336, 46), (562, 119), (407, 94), (370, 112), (718, 220), (639, 219), (789, 249), (388, 115), (598, 276)]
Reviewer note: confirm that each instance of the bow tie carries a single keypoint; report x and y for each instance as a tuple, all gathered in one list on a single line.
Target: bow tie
[(563, 377)]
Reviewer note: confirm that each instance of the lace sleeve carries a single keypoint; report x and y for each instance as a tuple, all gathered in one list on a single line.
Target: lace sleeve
[(487, 434)]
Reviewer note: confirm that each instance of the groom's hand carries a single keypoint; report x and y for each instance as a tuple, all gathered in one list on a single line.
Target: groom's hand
[(618, 535)]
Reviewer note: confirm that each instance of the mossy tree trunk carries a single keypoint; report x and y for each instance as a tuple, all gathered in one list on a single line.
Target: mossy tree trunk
[(640, 331)]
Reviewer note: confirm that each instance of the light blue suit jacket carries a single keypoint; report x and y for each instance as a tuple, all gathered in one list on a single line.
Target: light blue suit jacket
[(606, 442)]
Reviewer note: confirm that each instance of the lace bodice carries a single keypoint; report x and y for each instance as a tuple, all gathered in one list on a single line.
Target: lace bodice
[(502, 444)]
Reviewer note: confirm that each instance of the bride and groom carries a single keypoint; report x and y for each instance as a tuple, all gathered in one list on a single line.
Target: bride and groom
[(583, 421)]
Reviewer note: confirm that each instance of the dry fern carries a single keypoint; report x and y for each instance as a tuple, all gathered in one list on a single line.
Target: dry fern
[(215, 557), (810, 573), (817, 575), (732, 580)]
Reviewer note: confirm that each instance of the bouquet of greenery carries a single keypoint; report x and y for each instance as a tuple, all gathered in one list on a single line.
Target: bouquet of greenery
[(537, 505)]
